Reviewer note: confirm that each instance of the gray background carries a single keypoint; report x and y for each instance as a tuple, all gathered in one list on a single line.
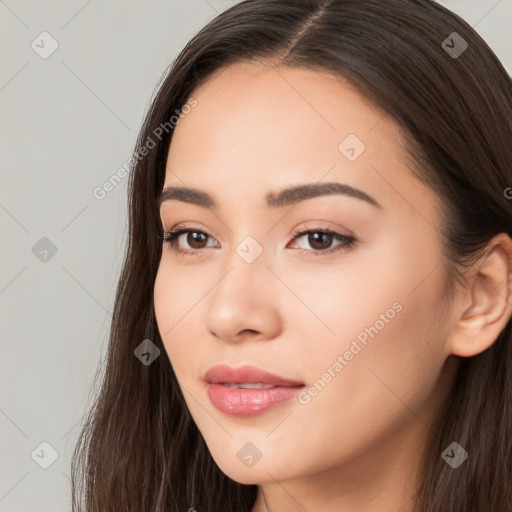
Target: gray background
[(68, 122)]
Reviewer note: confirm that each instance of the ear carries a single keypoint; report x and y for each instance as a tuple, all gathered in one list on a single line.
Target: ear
[(485, 304)]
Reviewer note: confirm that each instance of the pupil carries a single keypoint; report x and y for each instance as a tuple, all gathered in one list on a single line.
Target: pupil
[(316, 240), (313, 240), (191, 241)]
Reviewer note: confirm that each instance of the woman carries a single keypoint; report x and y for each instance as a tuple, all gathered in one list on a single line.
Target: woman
[(314, 310)]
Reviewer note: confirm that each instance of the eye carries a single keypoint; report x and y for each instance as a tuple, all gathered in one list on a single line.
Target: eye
[(321, 239), (195, 238)]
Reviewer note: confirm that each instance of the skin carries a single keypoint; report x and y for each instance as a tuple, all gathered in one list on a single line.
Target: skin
[(357, 444)]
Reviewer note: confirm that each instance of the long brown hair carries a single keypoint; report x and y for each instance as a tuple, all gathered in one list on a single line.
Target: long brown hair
[(139, 449)]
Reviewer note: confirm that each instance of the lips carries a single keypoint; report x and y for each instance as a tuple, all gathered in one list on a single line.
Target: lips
[(224, 374), (248, 391)]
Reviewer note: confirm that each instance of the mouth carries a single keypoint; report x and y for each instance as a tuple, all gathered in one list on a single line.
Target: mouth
[(246, 376), (247, 390), (247, 385)]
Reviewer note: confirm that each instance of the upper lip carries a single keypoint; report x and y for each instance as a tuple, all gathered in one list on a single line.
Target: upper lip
[(246, 374)]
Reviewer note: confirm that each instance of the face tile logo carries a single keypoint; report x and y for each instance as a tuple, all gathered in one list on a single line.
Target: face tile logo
[(44, 250), (249, 455), (44, 45), (454, 45), (44, 455), (351, 147), (249, 249), (454, 455), (147, 352)]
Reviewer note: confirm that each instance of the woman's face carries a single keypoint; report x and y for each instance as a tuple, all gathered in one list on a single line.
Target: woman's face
[(363, 326)]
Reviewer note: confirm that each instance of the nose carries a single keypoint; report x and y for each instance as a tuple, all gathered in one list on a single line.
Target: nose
[(244, 303)]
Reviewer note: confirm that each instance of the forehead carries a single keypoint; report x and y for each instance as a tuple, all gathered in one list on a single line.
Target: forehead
[(268, 109), (257, 128)]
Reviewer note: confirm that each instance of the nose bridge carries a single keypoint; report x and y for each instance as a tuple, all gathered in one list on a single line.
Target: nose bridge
[(240, 300), (246, 267)]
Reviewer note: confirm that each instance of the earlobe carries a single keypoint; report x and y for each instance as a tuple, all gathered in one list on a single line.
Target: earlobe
[(488, 292)]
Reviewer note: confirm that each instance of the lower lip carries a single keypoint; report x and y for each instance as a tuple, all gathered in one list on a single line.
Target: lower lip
[(248, 402)]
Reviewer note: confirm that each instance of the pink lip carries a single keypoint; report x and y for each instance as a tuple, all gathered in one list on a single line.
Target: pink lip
[(247, 402), (226, 374)]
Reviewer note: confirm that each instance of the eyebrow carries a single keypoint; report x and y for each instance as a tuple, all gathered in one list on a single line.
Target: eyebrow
[(280, 199)]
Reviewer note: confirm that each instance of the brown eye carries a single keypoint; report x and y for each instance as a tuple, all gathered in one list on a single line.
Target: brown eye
[(195, 239), (319, 240)]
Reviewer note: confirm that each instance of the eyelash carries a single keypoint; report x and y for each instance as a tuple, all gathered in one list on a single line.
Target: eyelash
[(172, 235)]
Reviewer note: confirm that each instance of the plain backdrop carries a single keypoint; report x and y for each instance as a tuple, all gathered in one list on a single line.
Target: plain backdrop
[(75, 80)]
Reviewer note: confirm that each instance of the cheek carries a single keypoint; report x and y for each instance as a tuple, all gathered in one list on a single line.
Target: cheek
[(394, 369), (177, 292), (165, 292), (383, 287), (385, 321), (174, 310)]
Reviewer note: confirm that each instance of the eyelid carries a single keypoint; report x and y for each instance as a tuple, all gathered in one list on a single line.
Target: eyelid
[(173, 234), (347, 241), (346, 232)]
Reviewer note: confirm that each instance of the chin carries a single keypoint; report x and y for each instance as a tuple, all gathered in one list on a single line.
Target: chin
[(247, 477), (235, 470)]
